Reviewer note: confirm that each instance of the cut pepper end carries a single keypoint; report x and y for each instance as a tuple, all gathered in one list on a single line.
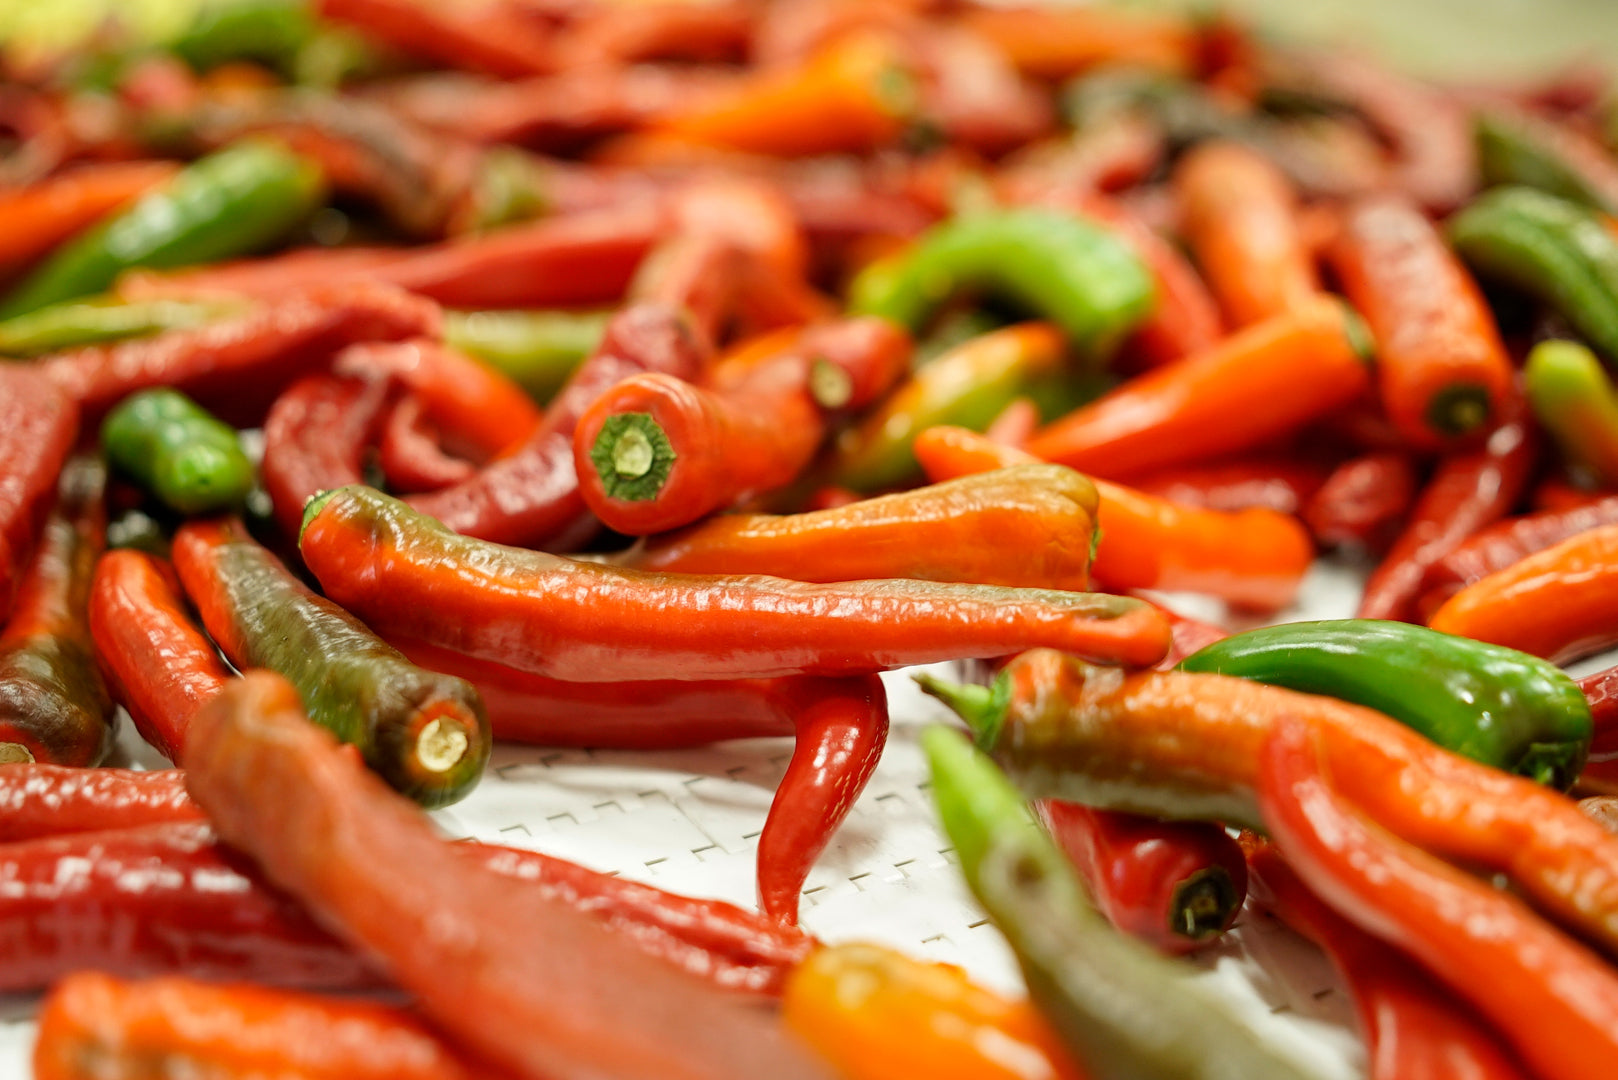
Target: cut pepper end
[(1204, 904), (632, 456), (1459, 409), (15, 754)]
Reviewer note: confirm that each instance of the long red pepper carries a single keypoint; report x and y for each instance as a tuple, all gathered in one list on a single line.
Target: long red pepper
[(532, 496), (316, 436), (1485, 944), (54, 800), (1364, 500), (157, 662), (235, 367), (403, 572), (1284, 485), (54, 706), (1442, 371), (493, 36), (369, 865), (1412, 1028), (38, 425), (1467, 491), (1174, 884)]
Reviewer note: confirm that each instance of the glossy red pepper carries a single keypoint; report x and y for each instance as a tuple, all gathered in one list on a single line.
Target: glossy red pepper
[(316, 437), (38, 801), (38, 425), (1364, 501), (532, 496), (1174, 884), (1190, 636), (157, 662), (409, 454), (371, 866)]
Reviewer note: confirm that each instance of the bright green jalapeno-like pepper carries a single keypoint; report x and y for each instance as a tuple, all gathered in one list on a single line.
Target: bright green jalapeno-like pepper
[(173, 447)]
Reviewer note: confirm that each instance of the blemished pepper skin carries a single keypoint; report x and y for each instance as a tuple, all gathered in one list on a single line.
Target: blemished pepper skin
[(172, 446), (54, 707), (1442, 371), (1550, 248), (1413, 1030), (94, 1025), (158, 663), (371, 866), (1575, 402), (1060, 266), (1521, 973), (1183, 745), (38, 427), (1533, 151), (231, 203), (426, 733), (1558, 603), (54, 800), (591, 623), (1029, 526), (1176, 885), (876, 1013), (1120, 1008), (1494, 705)]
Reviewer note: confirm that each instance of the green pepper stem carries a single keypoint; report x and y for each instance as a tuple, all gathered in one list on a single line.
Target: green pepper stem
[(311, 509), (633, 457), (982, 707)]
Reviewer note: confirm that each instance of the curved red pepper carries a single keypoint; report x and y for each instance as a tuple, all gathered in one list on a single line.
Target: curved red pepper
[(38, 801), (1363, 501), (409, 454), (315, 439), (38, 424)]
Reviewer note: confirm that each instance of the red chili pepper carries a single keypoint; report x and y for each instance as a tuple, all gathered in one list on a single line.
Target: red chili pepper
[(493, 36), (715, 32), (403, 574), (38, 801), (970, 92), (321, 826), (1284, 485), (409, 454), (1174, 884), (236, 367), (1016, 423), (1442, 371), (36, 217), (532, 496), (38, 426), (1601, 691), (1467, 491), (1190, 636), (1412, 1028), (472, 404), (54, 707), (1486, 945), (1364, 501), (1556, 495), (95, 1025), (696, 274), (157, 662), (316, 437), (654, 452), (830, 497)]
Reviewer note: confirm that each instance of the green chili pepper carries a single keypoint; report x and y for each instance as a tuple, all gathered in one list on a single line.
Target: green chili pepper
[(1124, 1010), (88, 322), (1061, 267), (1514, 148), (538, 350), (510, 186), (234, 202), (270, 31), (1575, 401), (967, 386), (1550, 248), (179, 451), (1489, 703)]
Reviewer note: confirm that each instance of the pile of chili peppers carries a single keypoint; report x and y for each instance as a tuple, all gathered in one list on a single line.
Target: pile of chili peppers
[(650, 375)]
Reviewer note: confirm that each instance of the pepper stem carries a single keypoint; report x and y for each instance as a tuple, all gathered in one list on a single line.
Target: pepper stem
[(1203, 903), (982, 707), (832, 387), (632, 456), (1556, 765)]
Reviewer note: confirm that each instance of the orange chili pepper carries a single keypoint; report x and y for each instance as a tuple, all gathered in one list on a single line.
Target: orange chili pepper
[(850, 96), (1560, 603), (1239, 214), (876, 1014), (1442, 371), (1254, 558), (96, 1026), (1265, 381), (1058, 42), (35, 218)]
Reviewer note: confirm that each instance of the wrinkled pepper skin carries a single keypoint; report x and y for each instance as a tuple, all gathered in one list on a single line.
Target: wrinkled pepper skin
[(1575, 402), (426, 733), (38, 426), (1029, 526), (371, 866), (875, 1013), (1485, 944), (593, 623), (95, 1025), (1119, 1007), (177, 450), (54, 707), (1494, 705), (38, 801), (1060, 266), (157, 662)]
